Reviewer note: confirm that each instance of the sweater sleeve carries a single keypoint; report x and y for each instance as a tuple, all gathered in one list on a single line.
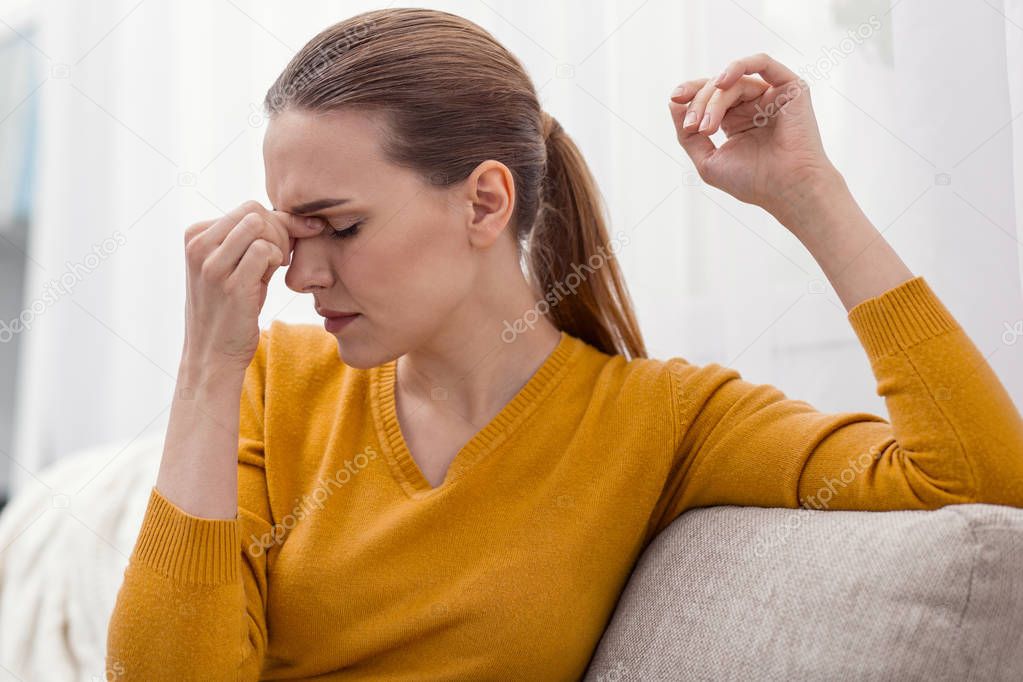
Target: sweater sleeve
[(191, 603), (955, 435)]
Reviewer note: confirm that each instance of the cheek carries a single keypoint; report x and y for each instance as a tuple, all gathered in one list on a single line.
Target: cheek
[(426, 242), (430, 266)]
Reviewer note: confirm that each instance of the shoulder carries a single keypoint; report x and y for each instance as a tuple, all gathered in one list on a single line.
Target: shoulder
[(633, 378), (674, 379), (644, 396)]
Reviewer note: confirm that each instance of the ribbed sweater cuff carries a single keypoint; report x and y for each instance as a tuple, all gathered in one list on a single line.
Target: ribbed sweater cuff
[(899, 318), (187, 549)]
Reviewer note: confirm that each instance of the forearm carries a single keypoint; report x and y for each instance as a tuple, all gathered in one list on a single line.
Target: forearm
[(959, 432), (191, 605), (199, 469), (854, 255)]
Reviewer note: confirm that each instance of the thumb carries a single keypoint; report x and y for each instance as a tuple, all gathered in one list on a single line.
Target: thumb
[(697, 145), (299, 226), (296, 227)]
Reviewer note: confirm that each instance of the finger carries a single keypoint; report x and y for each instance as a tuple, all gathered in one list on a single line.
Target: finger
[(740, 118), (211, 238), (775, 73), (684, 92), (745, 89), (285, 227), (196, 229), (259, 261), (297, 226), (226, 257), (699, 147), (275, 261), (214, 236), (694, 113), (274, 230)]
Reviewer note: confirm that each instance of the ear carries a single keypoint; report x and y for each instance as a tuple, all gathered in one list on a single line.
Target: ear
[(491, 193)]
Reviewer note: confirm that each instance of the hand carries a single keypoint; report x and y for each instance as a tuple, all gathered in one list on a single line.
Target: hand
[(230, 261), (773, 156)]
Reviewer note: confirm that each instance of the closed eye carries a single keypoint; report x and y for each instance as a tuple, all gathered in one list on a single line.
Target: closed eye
[(346, 233)]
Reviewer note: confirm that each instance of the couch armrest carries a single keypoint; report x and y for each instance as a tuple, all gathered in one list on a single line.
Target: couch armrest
[(770, 593)]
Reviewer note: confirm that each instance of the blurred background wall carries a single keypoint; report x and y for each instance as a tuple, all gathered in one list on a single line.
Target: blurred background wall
[(122, 122)]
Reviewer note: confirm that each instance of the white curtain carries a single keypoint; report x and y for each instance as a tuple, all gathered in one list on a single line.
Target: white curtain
[(150, 121)]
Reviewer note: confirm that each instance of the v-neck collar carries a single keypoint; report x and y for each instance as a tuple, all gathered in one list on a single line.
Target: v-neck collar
[(404, 468)]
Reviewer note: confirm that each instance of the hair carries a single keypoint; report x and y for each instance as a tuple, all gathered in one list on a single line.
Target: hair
[(449, 97)]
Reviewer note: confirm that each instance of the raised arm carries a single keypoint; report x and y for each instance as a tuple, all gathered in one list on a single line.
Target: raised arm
[(192, 603), (955, 435)]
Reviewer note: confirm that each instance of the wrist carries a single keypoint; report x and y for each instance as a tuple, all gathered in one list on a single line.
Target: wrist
[(201, 375), (807, 207)]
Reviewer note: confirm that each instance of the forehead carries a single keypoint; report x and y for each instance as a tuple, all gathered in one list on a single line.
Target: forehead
[(310, 155)]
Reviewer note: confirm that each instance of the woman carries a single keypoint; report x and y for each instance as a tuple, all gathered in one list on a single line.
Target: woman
[(454, 479)]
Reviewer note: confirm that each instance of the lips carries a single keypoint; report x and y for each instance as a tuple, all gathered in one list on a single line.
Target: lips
[(325, 312)]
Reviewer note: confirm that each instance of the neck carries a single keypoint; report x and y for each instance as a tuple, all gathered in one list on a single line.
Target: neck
[(476, 364)]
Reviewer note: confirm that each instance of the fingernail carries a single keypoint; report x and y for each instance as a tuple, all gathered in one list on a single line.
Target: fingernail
[(314, 223), (721, 77), (690, 117), (678, 91), (705, 122)]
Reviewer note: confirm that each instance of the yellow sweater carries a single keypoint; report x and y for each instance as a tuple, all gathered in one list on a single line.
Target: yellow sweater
[(344, 564)]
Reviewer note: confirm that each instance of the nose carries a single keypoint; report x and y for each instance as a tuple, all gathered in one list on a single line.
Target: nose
[(310, 269)]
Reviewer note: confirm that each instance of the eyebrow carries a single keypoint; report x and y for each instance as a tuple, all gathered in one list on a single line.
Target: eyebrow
[(318, 205)]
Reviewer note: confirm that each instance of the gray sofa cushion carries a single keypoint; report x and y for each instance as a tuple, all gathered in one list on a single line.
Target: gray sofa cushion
[(779, 594)]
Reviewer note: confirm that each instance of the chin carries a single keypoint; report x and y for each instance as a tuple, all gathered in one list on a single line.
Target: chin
[(362, 356), (356, 359)]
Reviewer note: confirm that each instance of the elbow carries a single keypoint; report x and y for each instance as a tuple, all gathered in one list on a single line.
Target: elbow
[(990, 470), (937, 478)]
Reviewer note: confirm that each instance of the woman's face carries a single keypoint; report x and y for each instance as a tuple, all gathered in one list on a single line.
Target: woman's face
[(407, 265)]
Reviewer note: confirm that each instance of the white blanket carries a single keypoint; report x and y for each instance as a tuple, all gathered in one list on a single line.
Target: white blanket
[(64, 545)]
